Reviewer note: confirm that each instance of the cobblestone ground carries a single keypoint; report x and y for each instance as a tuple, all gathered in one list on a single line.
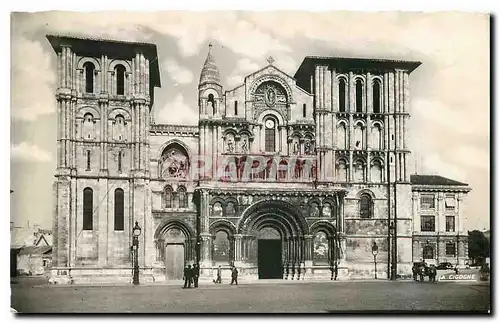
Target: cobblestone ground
[(314, 297)]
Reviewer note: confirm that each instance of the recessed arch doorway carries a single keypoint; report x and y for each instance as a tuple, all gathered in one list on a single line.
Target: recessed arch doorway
[(269, 254)]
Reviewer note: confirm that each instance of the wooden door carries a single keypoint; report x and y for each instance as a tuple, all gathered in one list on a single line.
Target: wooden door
[(174, 261)]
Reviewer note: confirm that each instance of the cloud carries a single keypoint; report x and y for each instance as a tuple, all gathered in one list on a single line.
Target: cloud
[(243, 67), (177, 111), (29, 152), (33, 80), (471, 157), (178, 73)]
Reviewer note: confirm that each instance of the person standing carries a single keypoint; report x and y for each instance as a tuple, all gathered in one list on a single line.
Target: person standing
[(196, 274), (234, 276), (187, 276), (219, 275), (414, 270)]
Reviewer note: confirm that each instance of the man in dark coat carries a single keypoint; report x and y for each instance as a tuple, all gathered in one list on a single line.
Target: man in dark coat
[(188, 272), (196, 274), (234, 276), (219, 275)]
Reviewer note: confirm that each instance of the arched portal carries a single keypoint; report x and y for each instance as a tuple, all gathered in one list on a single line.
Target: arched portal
[(274, 241), (175, 247)]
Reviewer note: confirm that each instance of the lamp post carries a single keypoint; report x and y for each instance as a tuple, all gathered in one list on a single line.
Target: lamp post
[(392, 230), (135, 248), (375, 253)]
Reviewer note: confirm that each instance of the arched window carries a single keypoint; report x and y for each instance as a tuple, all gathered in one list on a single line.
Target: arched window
[(365, 206), (88, 126), (120, 79), (282, 170), (359, 171), (342, 93), (168, 197), (270, 135), (230, 211), (321, 248), (119, 207), (235, 108), (211, 105), (304, 114), (428, 252), (119, 129), (359, 136), (89, 77), (359, 96), (341, 136), (314, 210), (88, 196), (217, 209), (181, 194), (376, 172), (376, 96), (221, 248), (376, 137), (341, 171)]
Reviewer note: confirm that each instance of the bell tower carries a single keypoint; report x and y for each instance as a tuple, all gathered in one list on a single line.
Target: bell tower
[(211, 103)]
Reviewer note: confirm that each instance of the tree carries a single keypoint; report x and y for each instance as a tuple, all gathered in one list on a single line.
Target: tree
[(479, 246)]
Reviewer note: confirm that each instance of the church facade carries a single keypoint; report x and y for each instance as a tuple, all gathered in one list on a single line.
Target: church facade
[(285, 177)]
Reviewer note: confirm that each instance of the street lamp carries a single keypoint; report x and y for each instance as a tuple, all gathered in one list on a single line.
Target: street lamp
[(392, 231), (135, 248), (375, 253)]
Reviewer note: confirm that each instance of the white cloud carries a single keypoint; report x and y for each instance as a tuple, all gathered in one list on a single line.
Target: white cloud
[(243, 67), (177, 111), (471, 157), (178, 73), (33, 80), (29, 152)]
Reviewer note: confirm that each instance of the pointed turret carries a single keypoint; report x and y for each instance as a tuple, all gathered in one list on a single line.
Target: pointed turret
[(210, 72)]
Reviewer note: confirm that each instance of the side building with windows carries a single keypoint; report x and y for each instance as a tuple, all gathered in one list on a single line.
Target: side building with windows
[(438, 220)]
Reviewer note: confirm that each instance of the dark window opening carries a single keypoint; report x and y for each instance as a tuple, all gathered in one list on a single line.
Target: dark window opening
[(88, 159), (120, 161), (376, 97), (181, 193), (168, 197), (428, 252), (359, 96), (235, 108), (119, 207), (120, 80), (365, 206), (342, 95), (427, 223), (450, 224), (89, 77), (450, 249), (304, 111), (87, 208)]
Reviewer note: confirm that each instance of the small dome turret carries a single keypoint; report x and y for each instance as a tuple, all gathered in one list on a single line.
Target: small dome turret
[(210, 72)]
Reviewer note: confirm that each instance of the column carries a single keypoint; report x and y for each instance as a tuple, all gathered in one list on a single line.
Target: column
[(237, 249)]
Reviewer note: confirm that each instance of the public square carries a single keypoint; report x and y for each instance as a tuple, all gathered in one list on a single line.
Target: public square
[(259, 297)]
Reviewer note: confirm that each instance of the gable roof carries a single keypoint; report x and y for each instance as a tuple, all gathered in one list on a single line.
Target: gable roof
[(434, 180)]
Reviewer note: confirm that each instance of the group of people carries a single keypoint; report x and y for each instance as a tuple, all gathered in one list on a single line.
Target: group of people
[(192, 275), (234, 276), (420, 270)]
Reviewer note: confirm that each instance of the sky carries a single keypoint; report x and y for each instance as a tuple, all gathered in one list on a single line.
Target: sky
[(450, 91)]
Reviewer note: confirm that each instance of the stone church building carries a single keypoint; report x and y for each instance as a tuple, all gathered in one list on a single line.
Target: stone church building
[(285, 177)]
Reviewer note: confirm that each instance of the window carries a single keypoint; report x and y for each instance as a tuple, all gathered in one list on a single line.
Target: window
[(427, 201), (359, 96), (428, 252), (327, 210), (341, 136), (450, 224), (89, 77), (450, 249), (168, 197), (88, 126), (217, 210), (365, 206), (87, 208), (342, 95), (449, 202), (211, 105), (341, 171), (376, 96), (181, 193), (376, 169), (88, 159), (270, 136), (120, 79), (119, 220), (230, 211), (119, 161), (304, 110), (221, 248), (235, 108), (359, 171), (282, 170), (427, 223)]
